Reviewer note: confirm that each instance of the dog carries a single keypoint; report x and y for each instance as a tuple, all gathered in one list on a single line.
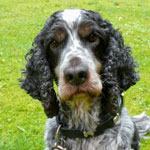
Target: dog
[(91, 66)]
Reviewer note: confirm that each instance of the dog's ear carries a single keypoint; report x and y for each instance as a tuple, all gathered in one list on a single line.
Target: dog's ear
[(124, 62), (120, 61), (119, 70), (38, 81)]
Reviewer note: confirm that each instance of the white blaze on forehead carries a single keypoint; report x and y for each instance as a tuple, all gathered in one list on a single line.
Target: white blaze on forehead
[(71, 15)]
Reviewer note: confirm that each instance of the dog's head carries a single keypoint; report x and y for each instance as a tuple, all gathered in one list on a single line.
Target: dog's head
[(84, 55)]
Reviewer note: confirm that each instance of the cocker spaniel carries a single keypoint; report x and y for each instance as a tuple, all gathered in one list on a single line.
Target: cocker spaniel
[(91, 66)]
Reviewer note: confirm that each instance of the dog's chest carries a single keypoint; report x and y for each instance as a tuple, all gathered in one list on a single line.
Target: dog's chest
[(84, 115)]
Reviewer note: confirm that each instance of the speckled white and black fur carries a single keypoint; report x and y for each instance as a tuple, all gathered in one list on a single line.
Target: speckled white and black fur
[(117, 138), (120, 137), (65, 42)]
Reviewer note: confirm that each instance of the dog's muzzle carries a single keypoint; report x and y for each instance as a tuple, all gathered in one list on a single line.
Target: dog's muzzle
[(78, 76)]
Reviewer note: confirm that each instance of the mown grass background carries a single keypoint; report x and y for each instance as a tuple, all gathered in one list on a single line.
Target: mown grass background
[(22, 119)]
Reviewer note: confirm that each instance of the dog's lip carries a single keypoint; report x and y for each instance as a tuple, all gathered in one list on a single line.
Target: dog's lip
[(78, 95), (82, 94)]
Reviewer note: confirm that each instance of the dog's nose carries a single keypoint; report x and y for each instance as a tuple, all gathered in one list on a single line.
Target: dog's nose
[(76, 75)]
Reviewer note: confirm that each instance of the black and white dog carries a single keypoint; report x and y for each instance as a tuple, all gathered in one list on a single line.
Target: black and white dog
[(87, 59)]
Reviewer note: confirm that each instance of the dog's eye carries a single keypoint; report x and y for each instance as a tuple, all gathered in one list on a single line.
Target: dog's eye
[(54, 44), (92, 38)]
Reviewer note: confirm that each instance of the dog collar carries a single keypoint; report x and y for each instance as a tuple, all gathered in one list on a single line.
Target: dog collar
[(108, 122)]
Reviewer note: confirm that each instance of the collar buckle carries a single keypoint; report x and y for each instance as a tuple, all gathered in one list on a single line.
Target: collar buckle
[(116, 118), (86, 134)]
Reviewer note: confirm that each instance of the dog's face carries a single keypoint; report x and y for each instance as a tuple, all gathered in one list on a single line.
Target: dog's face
[(86, 57), (75, 41)]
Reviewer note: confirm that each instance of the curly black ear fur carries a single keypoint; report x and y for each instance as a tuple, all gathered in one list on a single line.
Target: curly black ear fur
[(118, 72), (38, 81)]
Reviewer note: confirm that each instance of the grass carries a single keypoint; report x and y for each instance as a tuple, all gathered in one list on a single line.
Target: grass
[(22, 119)]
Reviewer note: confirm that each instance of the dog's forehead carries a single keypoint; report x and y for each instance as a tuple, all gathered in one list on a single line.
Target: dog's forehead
[(71, 16)]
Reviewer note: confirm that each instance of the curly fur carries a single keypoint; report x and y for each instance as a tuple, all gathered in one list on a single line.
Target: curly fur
[(117, 75), (39, 78)]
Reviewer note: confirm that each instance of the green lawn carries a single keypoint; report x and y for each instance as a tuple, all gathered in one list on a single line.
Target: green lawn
[(22, 119)]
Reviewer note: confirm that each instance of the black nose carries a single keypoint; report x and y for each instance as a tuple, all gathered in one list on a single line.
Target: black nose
[(76, 75)]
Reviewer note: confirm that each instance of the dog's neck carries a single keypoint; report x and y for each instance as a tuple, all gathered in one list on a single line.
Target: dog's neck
[(81, 114)]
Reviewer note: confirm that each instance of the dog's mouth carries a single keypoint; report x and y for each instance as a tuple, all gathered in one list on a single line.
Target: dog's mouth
[(80, 94), (84, 94)]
